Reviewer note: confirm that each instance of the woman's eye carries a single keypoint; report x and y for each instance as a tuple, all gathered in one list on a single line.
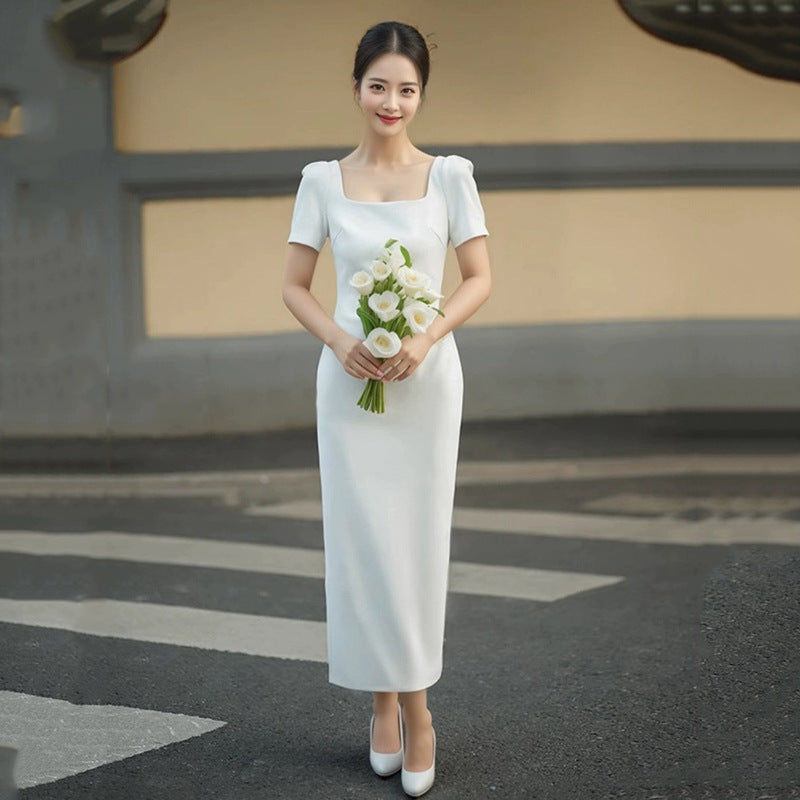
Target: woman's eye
[(408, 90)]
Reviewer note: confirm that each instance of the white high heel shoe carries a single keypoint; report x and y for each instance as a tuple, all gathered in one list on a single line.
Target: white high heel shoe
[(385, 764), (416, 783)]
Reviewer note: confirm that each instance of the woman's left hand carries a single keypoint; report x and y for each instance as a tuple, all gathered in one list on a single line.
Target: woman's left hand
[(414, 349)]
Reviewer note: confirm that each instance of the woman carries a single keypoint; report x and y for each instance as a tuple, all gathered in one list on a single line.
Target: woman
[(388, 479)]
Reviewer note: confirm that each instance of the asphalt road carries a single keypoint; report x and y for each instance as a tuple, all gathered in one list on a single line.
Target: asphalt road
[(622, 622)]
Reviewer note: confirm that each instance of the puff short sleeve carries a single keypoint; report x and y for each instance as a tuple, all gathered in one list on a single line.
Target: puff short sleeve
[(310, 216), (465, 214)]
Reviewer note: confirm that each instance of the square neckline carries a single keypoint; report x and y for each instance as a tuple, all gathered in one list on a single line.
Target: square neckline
[(427, 194)]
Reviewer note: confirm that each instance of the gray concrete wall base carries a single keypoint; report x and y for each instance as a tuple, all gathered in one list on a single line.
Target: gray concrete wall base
[(266, 383), (630, 366)]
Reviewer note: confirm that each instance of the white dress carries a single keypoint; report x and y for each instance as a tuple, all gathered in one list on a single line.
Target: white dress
[(387, 480)]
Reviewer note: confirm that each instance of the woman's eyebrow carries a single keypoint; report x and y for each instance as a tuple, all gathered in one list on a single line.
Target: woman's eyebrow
[(404, 83)]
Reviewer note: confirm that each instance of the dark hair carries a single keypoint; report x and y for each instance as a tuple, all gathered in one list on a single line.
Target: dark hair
[(393, 37)]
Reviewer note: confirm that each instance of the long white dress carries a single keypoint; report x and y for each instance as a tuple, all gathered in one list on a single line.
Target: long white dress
[(387, 480)]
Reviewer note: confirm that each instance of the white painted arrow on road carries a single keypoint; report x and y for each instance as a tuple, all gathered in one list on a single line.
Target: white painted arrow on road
[(56, 739)]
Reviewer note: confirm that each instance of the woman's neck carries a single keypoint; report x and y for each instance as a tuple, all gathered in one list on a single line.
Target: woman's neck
[(384, 152)]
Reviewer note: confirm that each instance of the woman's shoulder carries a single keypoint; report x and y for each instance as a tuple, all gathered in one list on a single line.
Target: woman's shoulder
[(457, 173), (457, 163), (456, 169), (317, 169)]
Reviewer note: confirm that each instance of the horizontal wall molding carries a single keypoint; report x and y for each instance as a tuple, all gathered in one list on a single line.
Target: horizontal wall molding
[(497, 167)]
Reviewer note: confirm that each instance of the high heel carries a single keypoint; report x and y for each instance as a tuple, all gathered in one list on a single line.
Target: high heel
[(385, 764), (416, 783)]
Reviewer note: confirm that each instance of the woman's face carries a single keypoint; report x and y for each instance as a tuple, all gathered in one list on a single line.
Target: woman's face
[(389, 94)]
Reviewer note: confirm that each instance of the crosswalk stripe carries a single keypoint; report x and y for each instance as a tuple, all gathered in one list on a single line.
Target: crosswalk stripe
[(274, 484), (739, 504), (604, 527), (175, 550), (464, 577), (523, 583), (620, 528), (56, 739), (250, 634), (636, 466)]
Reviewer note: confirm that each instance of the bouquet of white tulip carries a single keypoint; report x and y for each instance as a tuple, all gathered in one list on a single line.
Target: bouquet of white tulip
[(396, 301)]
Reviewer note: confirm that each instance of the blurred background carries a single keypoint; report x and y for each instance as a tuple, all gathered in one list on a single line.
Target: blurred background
[(642, 199)]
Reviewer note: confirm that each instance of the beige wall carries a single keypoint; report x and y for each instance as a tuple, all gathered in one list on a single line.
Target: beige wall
[(254, 74), (247, 74), (214, 267)]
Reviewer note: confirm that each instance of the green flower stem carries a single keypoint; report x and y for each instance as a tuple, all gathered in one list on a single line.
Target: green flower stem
[(373, 396)]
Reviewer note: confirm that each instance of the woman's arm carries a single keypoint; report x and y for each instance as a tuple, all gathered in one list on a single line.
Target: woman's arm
[(472, 292), (301, 261)]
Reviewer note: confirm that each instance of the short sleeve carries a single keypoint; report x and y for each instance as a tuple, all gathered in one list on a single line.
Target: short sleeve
[(465, 214), (310, 215)]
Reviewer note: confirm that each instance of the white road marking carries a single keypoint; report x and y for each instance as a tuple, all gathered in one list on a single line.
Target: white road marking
[(56, 739), (603, 527), (251, 634), (176, 550), (569, 469), (304, 482), (292, 509), (465, 577), (618, 528), (740, 504), (528, 584)]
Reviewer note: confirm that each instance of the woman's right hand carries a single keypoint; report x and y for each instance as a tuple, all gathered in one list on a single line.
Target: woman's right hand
[(355, 358)]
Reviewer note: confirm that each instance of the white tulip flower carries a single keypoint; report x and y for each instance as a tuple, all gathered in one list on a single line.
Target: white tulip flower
[(362, 281), (419, 315), (381, 270), (429, 294), (412, 280), (385, 305), (382, 343), (394, 257)]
